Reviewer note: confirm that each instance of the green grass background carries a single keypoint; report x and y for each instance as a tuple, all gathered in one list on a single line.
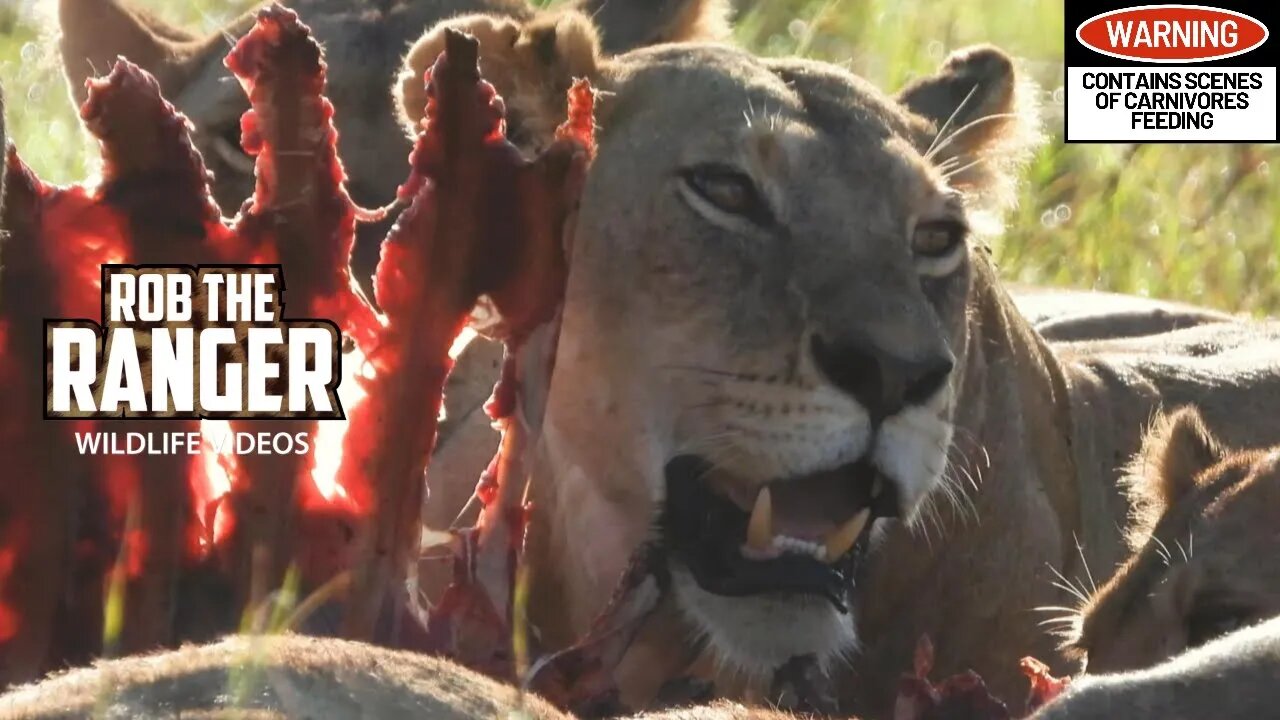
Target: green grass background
[(1193, 222)]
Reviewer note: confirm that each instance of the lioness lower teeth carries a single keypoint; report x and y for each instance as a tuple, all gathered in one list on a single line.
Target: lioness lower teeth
[(760, 527), (800, 547), (839, 542)]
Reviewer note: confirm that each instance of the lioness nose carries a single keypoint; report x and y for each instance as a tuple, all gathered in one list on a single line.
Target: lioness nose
[(882, 382)]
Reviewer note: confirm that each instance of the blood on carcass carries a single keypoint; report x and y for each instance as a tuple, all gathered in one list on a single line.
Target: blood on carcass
[(42, 487), (9, 618), (447, 250), (301, 217), (152, 205), (154, 185), (185, 532), (959, 697), (582, 678)]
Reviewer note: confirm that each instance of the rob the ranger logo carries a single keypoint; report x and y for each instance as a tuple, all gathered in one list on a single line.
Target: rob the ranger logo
[(198, 342)]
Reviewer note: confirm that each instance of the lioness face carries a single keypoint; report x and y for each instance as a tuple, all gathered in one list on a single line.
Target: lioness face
[(1205, 549), (765, 310)]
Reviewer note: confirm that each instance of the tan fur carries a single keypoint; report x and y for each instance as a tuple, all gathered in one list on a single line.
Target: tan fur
[(1041, 430), (1176, 453), (999, 116), (531, 65), (95, 33), (291, 676), (270, 677), (1204, 542)]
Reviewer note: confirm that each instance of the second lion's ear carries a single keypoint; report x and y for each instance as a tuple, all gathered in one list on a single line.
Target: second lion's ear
[(1176, 452), (532, 65)]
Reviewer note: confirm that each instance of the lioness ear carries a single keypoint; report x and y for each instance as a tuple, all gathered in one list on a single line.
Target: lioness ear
[(979, 121), (531, 64), (629, 24), (96, 32)]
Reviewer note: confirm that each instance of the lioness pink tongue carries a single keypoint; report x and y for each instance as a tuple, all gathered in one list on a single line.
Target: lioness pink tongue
[(821, 515)]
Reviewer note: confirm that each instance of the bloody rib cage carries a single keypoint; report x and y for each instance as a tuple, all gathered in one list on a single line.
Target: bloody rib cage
[(119, 554)]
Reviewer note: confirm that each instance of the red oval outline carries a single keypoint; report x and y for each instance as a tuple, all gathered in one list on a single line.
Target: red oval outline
[(1266, 34)]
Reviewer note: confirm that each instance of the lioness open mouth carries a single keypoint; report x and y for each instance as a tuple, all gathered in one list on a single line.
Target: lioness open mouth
[(803, 535)]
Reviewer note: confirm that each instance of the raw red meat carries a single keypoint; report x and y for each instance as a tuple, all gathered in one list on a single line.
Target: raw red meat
[(581, 678), (518, 260), (959, 697), (300, 216), (190, 545), (1044, 686)]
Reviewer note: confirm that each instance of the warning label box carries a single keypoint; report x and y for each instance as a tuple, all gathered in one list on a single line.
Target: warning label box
[(1171, 73)]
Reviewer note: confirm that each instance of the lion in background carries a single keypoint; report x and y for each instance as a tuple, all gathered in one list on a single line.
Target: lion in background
[(1187, 627), (792, 300), (364, 42), (1204, 539)]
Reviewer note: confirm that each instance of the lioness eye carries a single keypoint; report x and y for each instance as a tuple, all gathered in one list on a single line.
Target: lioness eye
[(937, 238), (1208, 623), (729, 190)]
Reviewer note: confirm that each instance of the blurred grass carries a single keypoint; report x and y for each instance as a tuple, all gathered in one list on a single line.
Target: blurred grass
[(41, 119), (1196, 222)]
